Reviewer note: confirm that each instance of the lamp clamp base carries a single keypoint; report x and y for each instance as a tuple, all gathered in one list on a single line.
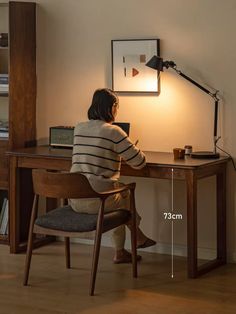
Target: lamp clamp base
[(205, 155)]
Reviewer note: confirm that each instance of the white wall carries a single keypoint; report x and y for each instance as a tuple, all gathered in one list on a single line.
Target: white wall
[(74, 58)]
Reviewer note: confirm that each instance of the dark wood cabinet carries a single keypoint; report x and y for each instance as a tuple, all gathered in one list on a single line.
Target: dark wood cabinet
[(18, 104)]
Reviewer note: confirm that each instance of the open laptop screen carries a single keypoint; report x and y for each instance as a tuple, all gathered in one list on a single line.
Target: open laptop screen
[(124, 126)]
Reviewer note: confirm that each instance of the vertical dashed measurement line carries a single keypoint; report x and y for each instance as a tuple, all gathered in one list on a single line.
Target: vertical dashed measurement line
[(172, 223)]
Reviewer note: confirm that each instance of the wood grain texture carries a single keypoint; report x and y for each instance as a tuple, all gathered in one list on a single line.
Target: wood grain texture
[(56, 290), (22, 89), (22, 74)]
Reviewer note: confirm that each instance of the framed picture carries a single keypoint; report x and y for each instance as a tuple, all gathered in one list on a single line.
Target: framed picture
[(129, 72)]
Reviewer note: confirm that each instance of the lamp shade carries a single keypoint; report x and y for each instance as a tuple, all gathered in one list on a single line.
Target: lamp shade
[(155, 63)]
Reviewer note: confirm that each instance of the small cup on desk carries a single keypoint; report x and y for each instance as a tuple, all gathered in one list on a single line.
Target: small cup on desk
[(178, 153)]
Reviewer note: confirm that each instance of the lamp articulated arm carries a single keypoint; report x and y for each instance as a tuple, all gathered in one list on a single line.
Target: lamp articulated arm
[(158, 64), (213, 95)]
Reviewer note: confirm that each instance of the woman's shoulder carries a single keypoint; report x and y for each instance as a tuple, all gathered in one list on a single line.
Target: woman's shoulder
[(100, 128), (114, 130), (84, 125)]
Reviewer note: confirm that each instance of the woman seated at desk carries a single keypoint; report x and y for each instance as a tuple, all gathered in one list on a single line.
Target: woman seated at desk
[(97, 152)]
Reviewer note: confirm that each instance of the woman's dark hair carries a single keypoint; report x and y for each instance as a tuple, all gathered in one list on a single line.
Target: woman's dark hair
[(101, 107)]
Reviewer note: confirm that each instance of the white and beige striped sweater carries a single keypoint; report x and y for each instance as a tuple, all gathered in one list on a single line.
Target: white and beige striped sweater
[(97, 152)]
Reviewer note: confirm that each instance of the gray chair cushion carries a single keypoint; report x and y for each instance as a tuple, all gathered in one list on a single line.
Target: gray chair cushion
[(66, 219)]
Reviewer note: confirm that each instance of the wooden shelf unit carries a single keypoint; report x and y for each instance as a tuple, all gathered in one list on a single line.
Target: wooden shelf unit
[(19, 61)]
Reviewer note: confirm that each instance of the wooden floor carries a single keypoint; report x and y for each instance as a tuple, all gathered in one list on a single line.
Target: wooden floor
[(54, 289)]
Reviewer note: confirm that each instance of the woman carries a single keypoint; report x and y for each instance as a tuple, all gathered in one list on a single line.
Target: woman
[(97, 152)]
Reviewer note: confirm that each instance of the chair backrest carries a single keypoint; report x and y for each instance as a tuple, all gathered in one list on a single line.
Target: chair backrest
[(62, 185)]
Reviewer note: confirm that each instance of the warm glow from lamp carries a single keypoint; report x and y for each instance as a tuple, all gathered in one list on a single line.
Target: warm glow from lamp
[(150, 84)]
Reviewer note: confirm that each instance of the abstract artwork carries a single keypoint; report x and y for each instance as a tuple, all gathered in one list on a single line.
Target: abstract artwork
[(129, 72)]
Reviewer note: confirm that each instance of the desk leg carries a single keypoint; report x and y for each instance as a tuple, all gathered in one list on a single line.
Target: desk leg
[(221, 215), (20, 204), (191, 182), (191, 179), (13, 205)]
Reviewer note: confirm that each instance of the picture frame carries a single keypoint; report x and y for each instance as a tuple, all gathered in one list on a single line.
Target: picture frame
[(129, 72)]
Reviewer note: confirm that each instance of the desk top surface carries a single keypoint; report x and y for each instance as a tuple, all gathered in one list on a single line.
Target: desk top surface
[(152, 158)]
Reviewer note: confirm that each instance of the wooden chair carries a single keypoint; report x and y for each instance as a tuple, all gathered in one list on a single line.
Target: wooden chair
[(65, 222)]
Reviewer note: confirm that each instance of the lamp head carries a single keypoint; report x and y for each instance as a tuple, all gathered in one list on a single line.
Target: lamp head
[(158, 64)]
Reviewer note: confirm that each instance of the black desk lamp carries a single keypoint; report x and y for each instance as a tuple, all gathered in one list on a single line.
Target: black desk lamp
[(158, 64)]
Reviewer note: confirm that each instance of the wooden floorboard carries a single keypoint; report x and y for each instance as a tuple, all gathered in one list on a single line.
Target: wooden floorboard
[(54, 289)]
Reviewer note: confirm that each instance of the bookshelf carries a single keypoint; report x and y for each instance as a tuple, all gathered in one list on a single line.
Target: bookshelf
[(18, 101)]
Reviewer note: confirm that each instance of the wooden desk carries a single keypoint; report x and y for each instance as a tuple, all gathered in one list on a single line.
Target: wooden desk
[(159, 165)]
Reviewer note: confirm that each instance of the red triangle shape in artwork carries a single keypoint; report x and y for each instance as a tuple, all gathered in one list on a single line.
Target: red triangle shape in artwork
[(134, 72)]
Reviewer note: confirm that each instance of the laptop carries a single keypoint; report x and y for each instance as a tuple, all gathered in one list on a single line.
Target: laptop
[(125, 126)]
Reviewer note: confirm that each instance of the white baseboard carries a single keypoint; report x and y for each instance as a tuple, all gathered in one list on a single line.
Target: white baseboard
[(162, 248)]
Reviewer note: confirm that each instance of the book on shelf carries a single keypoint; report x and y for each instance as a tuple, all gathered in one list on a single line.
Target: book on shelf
[(7, 228), (4, 88), (3, 39), (4, 83), (3, 35), (4, 127), (4, 217), (4, 79), (2, 210), (4, 134)]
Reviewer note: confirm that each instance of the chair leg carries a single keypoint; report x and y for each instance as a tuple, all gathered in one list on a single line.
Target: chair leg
[(30, 240), (96, 252), (96, 249), (134, 251), (28, 259), (67, 251)]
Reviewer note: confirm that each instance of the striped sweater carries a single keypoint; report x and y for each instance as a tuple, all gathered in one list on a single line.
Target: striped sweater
[(97, 152)]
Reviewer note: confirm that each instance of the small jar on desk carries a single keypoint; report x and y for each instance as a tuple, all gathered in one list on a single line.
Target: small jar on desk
[(188, 149)]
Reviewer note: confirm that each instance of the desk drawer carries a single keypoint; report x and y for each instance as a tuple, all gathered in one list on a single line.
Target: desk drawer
[(166, 173), (152, 171), (128, 171)]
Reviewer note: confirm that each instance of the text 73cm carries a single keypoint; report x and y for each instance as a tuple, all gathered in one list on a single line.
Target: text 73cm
[(172, 216)]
